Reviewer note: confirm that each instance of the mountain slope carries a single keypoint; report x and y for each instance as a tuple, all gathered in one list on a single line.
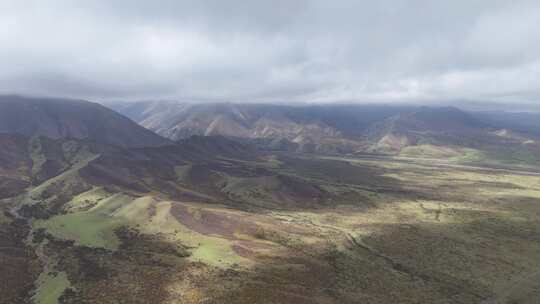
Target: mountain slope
[(525, 122), (15, 164), (449, 133), (412, 131), (436, 126), (179, 120), (320, 128), (64, 118)]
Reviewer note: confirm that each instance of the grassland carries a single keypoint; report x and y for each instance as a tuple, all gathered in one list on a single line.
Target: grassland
[(292, 229), (523, 156), (51, 287)]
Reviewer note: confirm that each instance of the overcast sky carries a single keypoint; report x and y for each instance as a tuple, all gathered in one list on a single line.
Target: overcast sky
[(274, 50)]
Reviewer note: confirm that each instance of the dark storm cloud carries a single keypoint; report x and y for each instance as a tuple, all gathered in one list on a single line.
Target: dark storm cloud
[(272, 50)]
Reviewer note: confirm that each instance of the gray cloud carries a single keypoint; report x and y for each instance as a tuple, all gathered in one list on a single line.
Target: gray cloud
[(280, 50)]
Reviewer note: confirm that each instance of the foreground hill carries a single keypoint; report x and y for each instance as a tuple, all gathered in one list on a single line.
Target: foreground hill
[(65, 118), (210, 220)]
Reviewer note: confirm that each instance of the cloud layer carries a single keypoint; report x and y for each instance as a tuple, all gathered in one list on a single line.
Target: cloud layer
[(279, 50)]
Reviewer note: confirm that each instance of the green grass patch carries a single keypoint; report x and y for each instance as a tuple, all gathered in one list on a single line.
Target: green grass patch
[(470, 156), (51, 287), (210, 250), (215, 252), (86, 229), (76, 153), (522, 156), (88, 199), (4, 219), (93, 228), (182, 172), (430, 151), (36, 154)]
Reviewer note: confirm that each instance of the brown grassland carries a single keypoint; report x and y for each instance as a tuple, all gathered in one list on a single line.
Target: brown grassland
[(279, 228)]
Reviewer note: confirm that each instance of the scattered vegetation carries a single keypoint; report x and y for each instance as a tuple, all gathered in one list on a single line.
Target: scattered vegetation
[(278, 229)]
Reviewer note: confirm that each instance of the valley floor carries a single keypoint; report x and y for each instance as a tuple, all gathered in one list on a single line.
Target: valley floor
[(365, 230)]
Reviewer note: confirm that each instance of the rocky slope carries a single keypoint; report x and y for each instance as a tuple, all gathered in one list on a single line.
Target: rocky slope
[(330, 128)]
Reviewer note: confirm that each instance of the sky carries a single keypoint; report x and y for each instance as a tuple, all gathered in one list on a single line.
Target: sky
[(272, 51)]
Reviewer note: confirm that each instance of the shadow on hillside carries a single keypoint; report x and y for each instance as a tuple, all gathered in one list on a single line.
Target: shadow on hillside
[(423, 263)]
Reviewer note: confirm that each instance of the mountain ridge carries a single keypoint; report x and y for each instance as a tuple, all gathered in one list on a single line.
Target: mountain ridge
[(67, 118), (340, 129)]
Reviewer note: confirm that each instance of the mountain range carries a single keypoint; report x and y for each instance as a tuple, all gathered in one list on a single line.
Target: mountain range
[(391, 204), (346, 129), (416, 131)]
